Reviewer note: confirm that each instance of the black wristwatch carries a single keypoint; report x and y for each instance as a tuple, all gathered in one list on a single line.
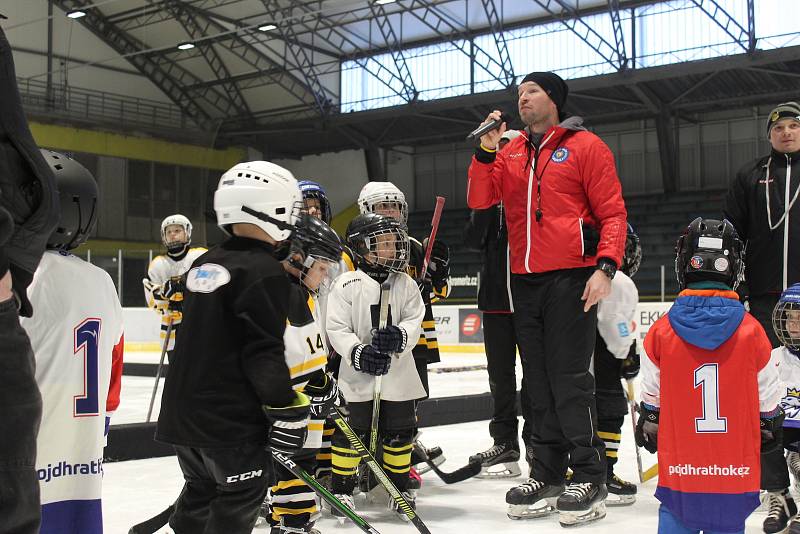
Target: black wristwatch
[(608, 267)]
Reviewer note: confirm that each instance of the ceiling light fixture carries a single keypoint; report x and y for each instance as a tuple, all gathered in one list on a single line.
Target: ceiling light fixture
[(267, 27), (185, 46), (76, 14), (384, 2)]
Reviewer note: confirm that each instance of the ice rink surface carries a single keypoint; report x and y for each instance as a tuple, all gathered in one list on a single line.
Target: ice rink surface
[(136, 490)]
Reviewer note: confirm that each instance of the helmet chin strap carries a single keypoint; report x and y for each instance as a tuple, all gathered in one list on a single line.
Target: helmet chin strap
[(177, 251), (260, 215)]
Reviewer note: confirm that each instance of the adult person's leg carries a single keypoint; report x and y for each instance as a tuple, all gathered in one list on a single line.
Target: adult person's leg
[(761, 307), (20, 508), (501, 360)]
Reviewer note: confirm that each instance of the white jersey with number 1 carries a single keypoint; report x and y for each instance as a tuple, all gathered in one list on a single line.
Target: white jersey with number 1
[(77, 339)]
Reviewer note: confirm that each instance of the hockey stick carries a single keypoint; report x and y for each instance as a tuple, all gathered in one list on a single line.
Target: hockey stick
[(385, 481), (383, 318), (459, 475), (644, 476), (437, 216), (151, 525), (303, 475), (160, 365)]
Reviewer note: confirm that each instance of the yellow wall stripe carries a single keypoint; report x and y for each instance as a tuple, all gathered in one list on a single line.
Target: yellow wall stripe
[(127, 146)]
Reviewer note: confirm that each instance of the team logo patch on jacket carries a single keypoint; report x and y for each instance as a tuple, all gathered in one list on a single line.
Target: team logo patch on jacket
[(207, 278), (560, 155)]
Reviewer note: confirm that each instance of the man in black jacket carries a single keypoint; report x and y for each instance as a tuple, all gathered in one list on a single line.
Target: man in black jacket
[(762, 205), (228, 394), (28, 214)]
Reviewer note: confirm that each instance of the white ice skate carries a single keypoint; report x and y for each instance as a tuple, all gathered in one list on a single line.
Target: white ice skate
[(346, 499), (793, 461), (532, 499), (498, 461), (394, 507), (581, 503)]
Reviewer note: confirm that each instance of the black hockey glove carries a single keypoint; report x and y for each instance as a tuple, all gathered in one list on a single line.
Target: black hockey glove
[(647, 429), (289, 426), (390, 339), (772, 431), (368, 360), (323, 394), (439, 266), (631, 364), (172, 287)]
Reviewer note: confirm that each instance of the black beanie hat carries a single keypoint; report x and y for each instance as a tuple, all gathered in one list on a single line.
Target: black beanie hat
[(787, 110), (555, 87)]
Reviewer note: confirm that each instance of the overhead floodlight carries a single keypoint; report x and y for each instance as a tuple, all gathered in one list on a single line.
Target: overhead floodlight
[(185, 46), (267, 27), (384, 2), (76, 14)]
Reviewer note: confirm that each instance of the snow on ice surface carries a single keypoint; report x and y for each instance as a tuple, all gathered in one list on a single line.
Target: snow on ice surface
[(136, 490)]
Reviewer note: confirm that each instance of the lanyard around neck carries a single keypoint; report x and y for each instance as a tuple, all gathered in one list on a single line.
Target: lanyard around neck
[(766, 195)]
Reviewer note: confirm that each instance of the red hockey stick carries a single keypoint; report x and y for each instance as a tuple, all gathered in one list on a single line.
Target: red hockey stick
[(437, 216)]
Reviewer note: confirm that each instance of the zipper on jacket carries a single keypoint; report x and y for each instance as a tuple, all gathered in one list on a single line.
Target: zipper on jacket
[(531, 178), (583, 245), (787, 205)]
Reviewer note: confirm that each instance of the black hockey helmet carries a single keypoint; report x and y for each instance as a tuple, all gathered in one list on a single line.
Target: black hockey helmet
[(632, 258), (786, 319), (364, 236), (77, 191), (314, 238), (709, 251), (313, 190)]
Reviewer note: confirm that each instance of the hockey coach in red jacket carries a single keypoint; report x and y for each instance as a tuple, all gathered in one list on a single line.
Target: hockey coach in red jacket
[(567, 224)]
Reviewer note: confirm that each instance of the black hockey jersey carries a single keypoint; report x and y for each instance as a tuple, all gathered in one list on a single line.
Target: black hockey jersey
[(229, 358), (427, 347)]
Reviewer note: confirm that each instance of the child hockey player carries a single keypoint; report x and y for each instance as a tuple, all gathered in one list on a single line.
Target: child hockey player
[(706, 381), (163, 287), (380, 246), (314, 254), (774, 473), (229, 393), (76, 335)]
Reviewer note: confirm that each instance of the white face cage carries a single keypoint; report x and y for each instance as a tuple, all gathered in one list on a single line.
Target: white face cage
[(318, 273), (786, 323), (388, 249)]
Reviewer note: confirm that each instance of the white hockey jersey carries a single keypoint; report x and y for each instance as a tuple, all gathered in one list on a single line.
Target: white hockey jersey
[(161, 269), (352, 314), (789, 371), (77, 338), (615, 315)]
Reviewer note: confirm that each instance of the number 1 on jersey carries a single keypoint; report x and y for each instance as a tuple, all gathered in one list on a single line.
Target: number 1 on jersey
[(87, 338), (706, 377)]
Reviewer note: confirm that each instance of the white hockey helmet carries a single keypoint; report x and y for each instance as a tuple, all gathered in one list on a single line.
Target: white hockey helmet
[(180, 220), (261, 187), (374, 193)]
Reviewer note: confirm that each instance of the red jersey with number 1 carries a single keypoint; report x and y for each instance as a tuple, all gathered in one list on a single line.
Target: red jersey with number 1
[(707, 356)]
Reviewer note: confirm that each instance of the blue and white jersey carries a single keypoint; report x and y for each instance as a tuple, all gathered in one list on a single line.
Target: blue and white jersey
[(77, 339), (789, 372)]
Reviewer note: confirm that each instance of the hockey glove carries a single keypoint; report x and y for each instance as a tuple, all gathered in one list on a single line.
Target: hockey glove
[(647, 428), (390, 339), (772, 430), (368, 360), (631, 364), (322, 394), (172, 287), (289, 425), (439, 266)]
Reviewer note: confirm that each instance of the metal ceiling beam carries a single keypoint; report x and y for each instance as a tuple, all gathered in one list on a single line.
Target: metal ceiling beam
[(570, 18), (408, 91), (170, 78), (155, 12), (496, 26), (197, 29), (724, 20), (619, 35)]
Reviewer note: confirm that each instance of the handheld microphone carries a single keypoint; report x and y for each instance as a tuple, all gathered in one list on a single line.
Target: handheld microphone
[(488, 127)]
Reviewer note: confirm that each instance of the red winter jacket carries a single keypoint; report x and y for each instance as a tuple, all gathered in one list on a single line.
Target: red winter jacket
[(579, 186)]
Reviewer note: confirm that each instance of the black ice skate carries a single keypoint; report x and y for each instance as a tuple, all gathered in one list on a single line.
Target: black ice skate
[(505, 455), (582, 502), (409, 496), (780, 509), (620, 492), (346, 499), (532, 499), (435, 455)]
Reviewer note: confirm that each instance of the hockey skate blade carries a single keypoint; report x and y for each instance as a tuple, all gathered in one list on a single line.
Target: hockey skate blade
[(575, 518), (532, 511), (620, 500), (503, 470), (423, 467)]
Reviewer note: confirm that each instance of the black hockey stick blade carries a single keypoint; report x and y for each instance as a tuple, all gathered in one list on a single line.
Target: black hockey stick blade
[(459, 475), (154, 523)]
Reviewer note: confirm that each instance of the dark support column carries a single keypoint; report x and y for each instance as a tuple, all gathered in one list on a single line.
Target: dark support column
[(374, 159), (666, 149), (49, 89)]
